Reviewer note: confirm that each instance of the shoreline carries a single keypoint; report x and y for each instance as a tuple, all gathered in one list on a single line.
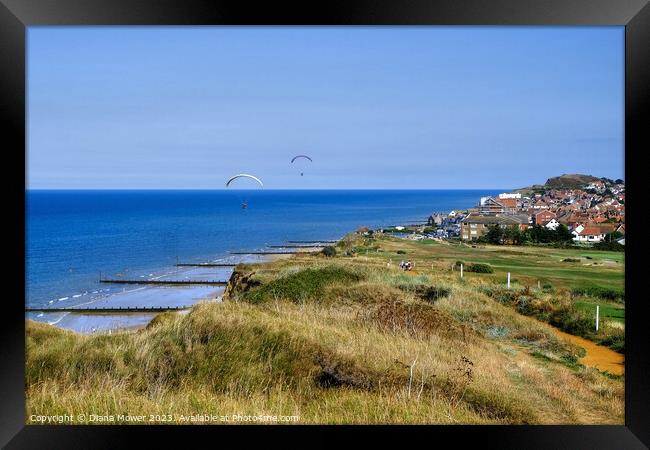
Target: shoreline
[(296, 215), (161, 296), (507, 348), (122, 322)]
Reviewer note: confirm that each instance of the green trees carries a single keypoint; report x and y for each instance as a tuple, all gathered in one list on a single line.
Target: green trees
[(494, 234), (613, 236), (536, 234), (513, 235), (562, 234), (611, 246), (542, 235), (539, 234)]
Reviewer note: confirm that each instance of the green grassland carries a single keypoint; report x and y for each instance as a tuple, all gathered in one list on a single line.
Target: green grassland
[(526, 263), (608, 310), (352, 339)]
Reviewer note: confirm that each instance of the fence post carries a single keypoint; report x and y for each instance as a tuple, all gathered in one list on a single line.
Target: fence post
[(597, 314), (461, 271), (508, 280)]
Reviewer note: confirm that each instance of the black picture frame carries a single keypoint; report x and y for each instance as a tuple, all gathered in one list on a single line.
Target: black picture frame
[(16, 15)]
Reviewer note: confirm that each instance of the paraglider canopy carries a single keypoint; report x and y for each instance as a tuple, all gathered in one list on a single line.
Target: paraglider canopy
[(244, 203), (301, 156), (243, 175)]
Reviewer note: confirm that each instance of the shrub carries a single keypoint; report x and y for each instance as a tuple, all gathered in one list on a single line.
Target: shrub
[(571, 260), (572, 321), (426, 292), (401, 252), (480, 268), (571, 361), (474, 267), (329, 251), (412, 318), (611, 246), (363, 293), (600, 292), (548, 288), (496, 331), (615, 342), (524, 306), (304, 285)]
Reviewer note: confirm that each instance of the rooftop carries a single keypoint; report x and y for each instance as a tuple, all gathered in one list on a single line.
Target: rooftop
[(496, 220)]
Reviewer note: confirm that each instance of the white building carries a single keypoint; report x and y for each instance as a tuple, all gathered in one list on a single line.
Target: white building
[(552, 224), (588, 234), (506, 195)]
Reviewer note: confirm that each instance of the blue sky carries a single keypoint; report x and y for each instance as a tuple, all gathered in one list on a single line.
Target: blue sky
[(375, 107)]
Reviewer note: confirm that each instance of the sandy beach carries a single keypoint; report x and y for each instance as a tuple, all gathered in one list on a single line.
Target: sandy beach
[(150, 296)]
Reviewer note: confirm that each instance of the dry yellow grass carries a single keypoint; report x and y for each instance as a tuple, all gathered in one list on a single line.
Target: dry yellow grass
[(365, 350)]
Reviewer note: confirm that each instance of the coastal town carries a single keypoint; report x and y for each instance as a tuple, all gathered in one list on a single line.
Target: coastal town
[(592, 212), (325, 225)]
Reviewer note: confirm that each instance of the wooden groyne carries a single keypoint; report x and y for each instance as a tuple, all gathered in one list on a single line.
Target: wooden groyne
[(325, 241), (169, 282), (297, 246), (266, 253), (204, 265), (110, 310)]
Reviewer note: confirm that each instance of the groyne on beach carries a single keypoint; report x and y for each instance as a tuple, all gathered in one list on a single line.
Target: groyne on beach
[(171, 292)]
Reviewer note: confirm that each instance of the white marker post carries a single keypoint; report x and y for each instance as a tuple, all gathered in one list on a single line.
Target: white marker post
[(461, 271), (508, 280), (597, 314)]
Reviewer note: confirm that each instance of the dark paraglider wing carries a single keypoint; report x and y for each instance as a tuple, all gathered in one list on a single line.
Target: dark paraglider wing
[(301, 156)]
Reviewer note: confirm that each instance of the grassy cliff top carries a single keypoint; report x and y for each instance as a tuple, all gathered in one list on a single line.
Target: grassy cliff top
[(343, 339), (565, 181), (569, 181)]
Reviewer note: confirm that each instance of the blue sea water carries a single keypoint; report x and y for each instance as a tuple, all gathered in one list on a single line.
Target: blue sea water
[(72, 236)]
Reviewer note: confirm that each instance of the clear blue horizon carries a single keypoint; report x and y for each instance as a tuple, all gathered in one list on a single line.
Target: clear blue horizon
[(399, 108), (72, 236)]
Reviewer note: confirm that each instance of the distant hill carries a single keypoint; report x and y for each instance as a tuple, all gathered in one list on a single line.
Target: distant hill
[(566, 181), (569, 181)]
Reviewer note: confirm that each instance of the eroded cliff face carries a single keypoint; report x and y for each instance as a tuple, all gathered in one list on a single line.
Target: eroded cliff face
[(240, 281)]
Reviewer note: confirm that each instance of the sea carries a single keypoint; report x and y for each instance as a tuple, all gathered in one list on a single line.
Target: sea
[(75, 236)]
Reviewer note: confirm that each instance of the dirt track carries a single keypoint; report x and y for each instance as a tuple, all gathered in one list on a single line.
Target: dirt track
[(602, 358)]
